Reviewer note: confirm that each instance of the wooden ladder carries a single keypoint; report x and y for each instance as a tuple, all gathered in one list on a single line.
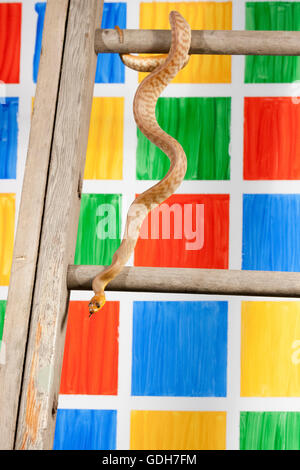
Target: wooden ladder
[(36, 312), (42, 273)]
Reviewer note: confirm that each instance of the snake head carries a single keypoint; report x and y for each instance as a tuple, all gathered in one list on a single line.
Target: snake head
[(96, 303)]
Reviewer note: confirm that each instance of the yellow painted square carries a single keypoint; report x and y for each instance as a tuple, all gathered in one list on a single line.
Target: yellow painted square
[(270, 349), (199, 15), (7, 226), (178, 430), (104, 157)]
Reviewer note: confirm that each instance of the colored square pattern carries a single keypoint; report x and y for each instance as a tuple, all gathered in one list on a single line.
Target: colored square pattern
[(204, 138), (271, 139), (10, 42), (200, 15), (268, 16), (90, 365), (198, 237), (180, 430), (270, 349), (99, 228), (179, 348), (7, 223), (104, 158), (270, 430), (271, 232), (85, 430), (8, 137)]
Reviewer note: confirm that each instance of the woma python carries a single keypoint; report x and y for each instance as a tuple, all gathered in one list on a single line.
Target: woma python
[(163, 70)]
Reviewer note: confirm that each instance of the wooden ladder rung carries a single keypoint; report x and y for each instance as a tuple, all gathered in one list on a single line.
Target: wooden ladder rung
[(203, 42), (192, 281)]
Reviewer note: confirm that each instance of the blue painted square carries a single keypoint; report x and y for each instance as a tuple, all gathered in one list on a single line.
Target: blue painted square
[(271, 232), (179, 349), (8, 137), (110, 68), (40, 9), (85, 430)]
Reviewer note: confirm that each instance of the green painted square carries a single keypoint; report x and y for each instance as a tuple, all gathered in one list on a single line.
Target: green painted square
[(269, 430), (202, 126), (2, 314), (268, 16), (99, 228)]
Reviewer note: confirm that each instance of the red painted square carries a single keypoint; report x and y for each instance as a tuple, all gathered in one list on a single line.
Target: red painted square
[(90, 364), (197, 221), (272, 138), (10, 41)]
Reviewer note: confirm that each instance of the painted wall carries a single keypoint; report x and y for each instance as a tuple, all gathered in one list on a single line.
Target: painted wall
[(175, 371)]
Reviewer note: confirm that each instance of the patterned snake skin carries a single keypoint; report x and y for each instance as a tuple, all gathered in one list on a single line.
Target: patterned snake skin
[(163, 70)]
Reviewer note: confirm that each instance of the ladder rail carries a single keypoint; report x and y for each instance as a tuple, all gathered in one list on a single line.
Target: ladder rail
[(27, 240), (35, 323), (41, 381)]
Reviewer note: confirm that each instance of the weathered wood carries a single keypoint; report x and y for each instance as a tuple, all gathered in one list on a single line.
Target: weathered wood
[(30, 218), (37, 414), (192, 281), (203, 42)]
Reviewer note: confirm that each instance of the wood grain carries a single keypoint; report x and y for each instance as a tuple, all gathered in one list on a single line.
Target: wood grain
[(191, 281), (37, 414), (203, 42), (30, 218)]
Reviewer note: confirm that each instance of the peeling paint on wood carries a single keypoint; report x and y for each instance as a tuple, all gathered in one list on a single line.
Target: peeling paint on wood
[(32, 406)]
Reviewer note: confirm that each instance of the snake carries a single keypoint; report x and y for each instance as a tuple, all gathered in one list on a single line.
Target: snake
[(162, 70)]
